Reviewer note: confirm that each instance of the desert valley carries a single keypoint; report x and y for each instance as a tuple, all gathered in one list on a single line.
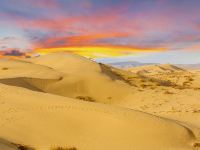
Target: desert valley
[(63, 101)]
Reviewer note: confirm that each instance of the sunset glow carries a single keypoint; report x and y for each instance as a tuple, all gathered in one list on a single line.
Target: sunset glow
[(99, 28), (99, 51)]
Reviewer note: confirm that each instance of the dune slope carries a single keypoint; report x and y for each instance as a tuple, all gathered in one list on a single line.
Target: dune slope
[(156, 69), (82, 78), (173, 94), (16, 68), (39, 105), (42, 121)]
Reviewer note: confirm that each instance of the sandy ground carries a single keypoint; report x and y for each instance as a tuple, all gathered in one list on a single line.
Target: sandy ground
[(69, 102)]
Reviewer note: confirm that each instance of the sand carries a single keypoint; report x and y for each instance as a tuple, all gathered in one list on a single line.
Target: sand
[(65, 100), (173, 94), (82, 78)]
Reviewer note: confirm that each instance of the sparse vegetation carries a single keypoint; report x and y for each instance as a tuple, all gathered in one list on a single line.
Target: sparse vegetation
[(190, 79), (140, 90), (196, 111), (196, 145), (168, 92), (64, 148), (4, 68), (165, 83), (23, 147), (152, 87), (181, 87), (196, 88), (144, 85), (158, 82), (109, 97), (86, 98), (186, 83), (142, 80), (60, 78)]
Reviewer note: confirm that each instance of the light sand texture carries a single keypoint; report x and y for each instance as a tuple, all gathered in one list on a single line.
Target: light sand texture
[(172, 94), (41, 105), (43, 120), (17, 68), (82, 77)]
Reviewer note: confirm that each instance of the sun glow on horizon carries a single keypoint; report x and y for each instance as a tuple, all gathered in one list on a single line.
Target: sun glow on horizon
[(98, 51)]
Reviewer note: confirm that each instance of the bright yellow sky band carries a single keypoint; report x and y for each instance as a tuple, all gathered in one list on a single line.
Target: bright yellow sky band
[(99, 51)]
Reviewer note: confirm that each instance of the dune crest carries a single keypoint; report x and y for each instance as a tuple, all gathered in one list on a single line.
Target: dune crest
[(55, 101), (82, 77), (156, 69)]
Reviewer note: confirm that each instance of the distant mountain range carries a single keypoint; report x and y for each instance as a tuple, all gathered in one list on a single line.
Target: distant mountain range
[(189, 66), (130, 64)]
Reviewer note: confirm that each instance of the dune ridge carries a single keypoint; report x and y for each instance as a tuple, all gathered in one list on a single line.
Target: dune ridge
[(16, 68), (156, 69), (57, 102)]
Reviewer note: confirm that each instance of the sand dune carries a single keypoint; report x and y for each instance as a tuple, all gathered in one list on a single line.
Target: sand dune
[(173, 94), (153, 109), (156, 69), (82, 78), (15, 73), (43, 120), (170, 75), (16, 68)]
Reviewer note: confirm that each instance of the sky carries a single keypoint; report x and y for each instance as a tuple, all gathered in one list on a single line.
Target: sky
[(142, 30)]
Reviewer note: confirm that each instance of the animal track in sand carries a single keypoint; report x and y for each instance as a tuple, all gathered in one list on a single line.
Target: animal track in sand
[(52, 108), (86, 98)]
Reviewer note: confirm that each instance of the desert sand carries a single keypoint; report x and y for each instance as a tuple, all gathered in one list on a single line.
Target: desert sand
[(65, 101)]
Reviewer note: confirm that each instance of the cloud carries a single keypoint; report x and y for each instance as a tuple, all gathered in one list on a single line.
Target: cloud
[(79, 40), (13, 52), (170, 25), (17, 42)]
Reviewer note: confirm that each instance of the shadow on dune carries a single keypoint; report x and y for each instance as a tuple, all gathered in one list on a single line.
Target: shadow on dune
[(7, 145), (112, 73), (20, 82), (108, 71)]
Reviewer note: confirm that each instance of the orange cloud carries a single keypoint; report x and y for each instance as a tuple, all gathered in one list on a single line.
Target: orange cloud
[(79, 40), (95, 28), (107, 20)]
